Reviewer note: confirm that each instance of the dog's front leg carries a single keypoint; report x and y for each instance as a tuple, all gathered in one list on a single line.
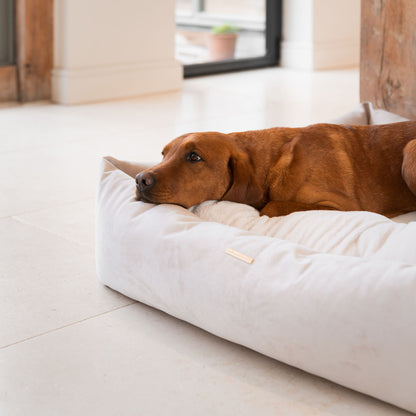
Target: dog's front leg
[(278, 208)]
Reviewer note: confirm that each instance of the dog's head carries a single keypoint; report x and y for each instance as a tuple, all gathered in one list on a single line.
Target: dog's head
[(198, 167)]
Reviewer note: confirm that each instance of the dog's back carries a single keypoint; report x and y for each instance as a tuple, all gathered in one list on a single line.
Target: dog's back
[(349, 167)]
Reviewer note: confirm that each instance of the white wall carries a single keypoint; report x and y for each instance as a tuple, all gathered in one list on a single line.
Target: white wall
[(106, 49), (321, 34)]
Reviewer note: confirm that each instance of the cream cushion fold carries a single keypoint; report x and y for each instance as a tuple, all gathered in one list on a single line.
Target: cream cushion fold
[(332, 293)]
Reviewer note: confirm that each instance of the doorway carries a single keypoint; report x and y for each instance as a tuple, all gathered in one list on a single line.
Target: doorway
[(8, 74), (26, 49)]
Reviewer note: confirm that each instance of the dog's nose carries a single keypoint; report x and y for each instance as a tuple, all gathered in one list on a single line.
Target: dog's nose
[(145, 180)]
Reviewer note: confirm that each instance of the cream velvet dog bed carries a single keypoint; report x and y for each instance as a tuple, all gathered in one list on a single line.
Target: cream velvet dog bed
[(333, 293)]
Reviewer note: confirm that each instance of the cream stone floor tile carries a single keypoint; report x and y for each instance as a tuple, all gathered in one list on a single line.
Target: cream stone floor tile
[(308, 96), (35, 179), (39, 124), (139, 361), (46, 177), (46, 282), (73, 221)]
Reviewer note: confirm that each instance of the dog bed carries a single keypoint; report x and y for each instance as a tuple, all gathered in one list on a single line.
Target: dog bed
[(332, 293)]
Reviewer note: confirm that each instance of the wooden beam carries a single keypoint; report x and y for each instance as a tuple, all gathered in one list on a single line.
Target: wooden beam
[(388, 55), (8, 83), (34, 33)]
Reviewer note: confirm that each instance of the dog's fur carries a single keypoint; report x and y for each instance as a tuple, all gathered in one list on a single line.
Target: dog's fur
[(282, 170)]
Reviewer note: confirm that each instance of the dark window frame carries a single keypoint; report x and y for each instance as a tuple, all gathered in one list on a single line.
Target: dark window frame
[(271, 58)]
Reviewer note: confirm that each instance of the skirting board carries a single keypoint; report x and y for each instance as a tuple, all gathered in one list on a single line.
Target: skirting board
[(82, 85), (316, 56)]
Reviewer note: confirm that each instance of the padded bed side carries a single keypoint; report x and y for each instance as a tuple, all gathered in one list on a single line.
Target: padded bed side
[(348, 319)]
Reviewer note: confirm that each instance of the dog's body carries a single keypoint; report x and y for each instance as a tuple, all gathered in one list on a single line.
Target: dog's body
[(282, 170)]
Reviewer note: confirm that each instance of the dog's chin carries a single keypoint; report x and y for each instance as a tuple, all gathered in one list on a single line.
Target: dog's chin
[(145, 198), (151, 199)]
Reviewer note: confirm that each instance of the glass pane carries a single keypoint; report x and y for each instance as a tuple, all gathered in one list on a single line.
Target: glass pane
[(183, 5), (218, 30), (6, 32), (250, 8)]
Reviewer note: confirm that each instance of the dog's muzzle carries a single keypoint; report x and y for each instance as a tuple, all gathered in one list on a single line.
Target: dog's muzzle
[(145, 181)]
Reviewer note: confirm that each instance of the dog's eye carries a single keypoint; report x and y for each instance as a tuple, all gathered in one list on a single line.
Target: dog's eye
[(193, 157)]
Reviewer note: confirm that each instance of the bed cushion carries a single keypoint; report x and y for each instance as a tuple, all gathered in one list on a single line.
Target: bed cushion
[(329, 292), (357, 233)]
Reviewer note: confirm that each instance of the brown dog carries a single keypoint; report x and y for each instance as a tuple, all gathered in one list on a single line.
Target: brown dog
[(282, 170)]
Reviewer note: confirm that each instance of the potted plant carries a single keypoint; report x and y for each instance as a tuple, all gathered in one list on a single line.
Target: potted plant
[(221, 42)]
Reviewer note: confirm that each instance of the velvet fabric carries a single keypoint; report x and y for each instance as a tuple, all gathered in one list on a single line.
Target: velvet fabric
[(332, 293)]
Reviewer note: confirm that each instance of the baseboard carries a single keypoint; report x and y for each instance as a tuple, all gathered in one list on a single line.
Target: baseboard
[(83, 85), (318, 56)]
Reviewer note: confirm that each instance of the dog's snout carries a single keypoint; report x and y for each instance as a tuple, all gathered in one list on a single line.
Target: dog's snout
[(145, 180)]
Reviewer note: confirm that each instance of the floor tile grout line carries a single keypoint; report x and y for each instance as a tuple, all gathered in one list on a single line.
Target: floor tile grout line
[(57, 205), (65, 326), (55, 234)]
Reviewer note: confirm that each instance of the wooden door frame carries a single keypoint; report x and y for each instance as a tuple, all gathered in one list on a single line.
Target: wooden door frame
[(30, 78), (388, 54), (8, 83)]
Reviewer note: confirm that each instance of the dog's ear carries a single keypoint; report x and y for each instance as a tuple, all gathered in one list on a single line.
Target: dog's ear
[(244, 186)]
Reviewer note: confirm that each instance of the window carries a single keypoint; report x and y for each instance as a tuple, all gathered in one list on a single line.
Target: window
[(248, 29)]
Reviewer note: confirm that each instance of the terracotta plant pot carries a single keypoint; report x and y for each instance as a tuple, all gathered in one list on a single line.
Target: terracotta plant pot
[(221, 46)]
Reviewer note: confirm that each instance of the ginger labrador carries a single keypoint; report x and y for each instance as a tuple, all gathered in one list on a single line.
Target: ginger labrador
[(282, 170)]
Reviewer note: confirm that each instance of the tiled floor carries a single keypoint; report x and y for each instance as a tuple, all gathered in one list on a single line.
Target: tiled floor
[(72, 347)]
